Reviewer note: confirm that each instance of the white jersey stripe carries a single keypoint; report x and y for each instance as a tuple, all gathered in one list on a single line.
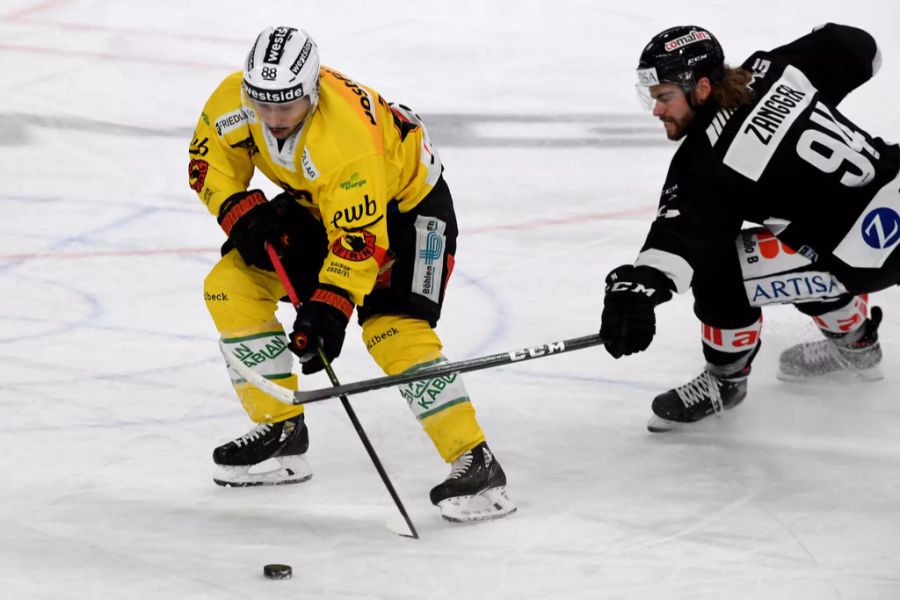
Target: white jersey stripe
[(673, 266)]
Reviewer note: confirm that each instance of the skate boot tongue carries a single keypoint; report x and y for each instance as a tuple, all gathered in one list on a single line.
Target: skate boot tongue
[(254, 434), (701, 389), (461, 466)]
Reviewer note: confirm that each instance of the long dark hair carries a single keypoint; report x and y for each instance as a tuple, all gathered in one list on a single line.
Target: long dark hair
[(732, 90)]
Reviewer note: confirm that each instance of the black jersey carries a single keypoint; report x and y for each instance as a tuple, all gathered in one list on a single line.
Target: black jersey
[(788, 160)]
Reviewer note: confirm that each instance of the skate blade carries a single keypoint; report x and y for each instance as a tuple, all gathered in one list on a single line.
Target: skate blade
[(290, 470), (660, 425), (492, 503), (398, 525), (848, 375)]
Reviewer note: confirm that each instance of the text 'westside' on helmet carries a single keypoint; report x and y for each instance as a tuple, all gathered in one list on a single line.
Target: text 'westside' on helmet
[(282, 66)]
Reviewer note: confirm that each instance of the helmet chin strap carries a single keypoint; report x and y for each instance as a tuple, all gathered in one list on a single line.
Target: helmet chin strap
[(689, 95)]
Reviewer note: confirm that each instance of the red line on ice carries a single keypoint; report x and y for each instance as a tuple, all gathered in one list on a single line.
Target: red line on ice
[(37, 8), (479, 230), (179, 62)]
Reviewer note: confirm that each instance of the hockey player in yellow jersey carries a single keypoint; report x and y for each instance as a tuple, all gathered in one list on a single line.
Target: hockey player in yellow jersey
[(365, 221)]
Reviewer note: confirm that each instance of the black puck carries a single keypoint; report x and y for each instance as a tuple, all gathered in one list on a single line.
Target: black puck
[(278, 571)]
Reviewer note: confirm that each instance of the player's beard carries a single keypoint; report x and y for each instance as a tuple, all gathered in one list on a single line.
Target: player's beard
[(677, 128)]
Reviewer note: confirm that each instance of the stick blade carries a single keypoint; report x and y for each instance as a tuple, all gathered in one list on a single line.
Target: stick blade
[(397, 524)]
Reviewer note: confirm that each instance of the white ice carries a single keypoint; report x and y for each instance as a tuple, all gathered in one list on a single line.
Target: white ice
[(113, 392)]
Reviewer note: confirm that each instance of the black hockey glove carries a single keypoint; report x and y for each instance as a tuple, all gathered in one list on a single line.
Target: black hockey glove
[(321, 321), (628, 322), (249, 221)]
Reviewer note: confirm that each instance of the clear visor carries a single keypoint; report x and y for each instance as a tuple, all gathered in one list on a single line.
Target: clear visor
[(281, 119), (644, 97), (648, 78), (663, 94)]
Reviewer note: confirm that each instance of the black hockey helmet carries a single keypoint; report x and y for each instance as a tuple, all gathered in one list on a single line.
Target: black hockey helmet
[(681, 55)]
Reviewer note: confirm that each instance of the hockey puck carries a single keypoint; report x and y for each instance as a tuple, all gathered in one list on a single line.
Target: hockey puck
[(278, 571)]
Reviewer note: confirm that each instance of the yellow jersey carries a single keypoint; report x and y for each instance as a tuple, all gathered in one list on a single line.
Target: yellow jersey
[(351, 158)]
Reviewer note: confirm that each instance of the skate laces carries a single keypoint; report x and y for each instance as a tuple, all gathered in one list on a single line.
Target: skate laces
[(252, 435), (461, 465), (703, 388), (821, 351), (827, 352)]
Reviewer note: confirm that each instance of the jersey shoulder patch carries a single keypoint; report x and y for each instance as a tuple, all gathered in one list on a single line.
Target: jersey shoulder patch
[(224, 109)]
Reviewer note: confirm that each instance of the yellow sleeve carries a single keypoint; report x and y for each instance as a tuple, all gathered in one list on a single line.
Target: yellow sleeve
[(221, 159), (354, 212)]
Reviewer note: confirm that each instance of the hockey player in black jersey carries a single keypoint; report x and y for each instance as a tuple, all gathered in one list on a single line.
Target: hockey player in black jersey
[(763, 143)]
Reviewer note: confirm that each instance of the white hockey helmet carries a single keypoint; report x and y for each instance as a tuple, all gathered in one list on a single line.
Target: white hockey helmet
[(282, 66)]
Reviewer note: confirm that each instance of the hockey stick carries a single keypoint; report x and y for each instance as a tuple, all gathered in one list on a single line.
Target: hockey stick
[(295, 300), (443, 370)]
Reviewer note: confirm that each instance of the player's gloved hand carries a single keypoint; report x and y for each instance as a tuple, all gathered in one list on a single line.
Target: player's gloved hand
[(322, 321), (249, 221), (628, 322)]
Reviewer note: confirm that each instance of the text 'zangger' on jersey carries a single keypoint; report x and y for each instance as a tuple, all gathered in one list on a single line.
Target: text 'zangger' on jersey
[(354, 157), (790, 161)]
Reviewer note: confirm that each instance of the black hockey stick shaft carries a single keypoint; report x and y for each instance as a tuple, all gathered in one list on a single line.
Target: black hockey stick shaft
[(443, 370), (295, 300), (369, 448)]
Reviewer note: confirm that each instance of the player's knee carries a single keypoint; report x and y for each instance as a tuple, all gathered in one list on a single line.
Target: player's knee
[(398, 343), (815, 309), (216, 286)]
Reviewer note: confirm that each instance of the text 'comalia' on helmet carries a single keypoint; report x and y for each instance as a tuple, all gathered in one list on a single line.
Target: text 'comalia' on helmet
[(282, 66), (681, 55)]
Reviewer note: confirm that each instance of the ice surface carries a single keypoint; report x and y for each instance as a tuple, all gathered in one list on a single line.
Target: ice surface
[(113, 393)]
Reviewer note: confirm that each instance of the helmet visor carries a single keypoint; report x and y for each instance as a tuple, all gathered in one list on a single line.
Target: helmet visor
[(649, 77), (646, 78), (281, 118), (644, 97)]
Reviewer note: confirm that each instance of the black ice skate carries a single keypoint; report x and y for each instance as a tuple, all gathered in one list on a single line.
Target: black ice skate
[(475, 490), (701, 397), (835, 355), (239, 461)]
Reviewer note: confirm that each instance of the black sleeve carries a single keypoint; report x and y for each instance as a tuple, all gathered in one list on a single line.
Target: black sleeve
[(696, 221), (837, 59), (698, 233)]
